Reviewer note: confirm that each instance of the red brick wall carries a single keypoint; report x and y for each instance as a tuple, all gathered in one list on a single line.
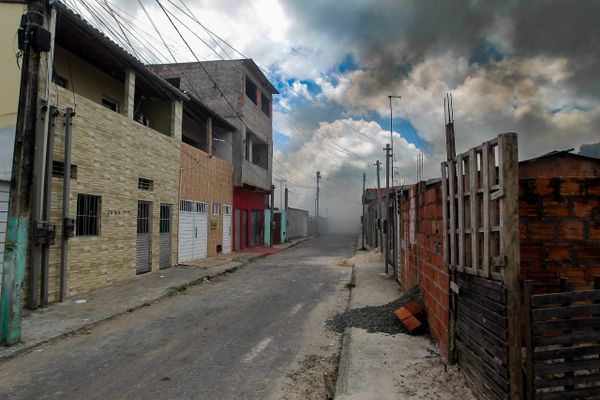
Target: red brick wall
[(423, 263), (559, 210)]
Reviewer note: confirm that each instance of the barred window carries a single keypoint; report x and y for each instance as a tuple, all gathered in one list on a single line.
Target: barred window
[(216, 208), (88, 215), (202, 207), (226, 209), (165, 218), (58, 170), (145, 184)]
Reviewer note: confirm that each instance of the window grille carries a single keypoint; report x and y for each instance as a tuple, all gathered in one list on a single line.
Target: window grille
[(226, 209), (165, 218), (186, 205), (145, 184), (58, 170), (216, 208), (88, 215), (202, 207), (143, 217)]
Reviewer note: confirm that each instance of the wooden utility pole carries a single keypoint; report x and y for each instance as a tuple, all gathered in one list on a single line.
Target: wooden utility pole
[(378, 166), (388, 155), (19, 208)]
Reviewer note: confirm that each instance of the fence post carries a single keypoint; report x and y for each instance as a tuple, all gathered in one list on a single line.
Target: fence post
[(529, 341), (509, 223)]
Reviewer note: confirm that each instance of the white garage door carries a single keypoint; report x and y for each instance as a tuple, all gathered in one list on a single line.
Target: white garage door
[(193, 230), (226, 229)]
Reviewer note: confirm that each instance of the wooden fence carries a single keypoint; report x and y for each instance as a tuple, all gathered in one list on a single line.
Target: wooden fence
[(481, 249), (563, 344)]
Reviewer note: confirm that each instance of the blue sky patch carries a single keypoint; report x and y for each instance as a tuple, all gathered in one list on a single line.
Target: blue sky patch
[(485, 53)]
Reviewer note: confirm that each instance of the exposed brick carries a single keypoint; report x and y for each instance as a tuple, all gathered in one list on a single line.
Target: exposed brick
[(553, 208), (528, 210), (541, 230), (412, 324), (557, 251), (571, 230), (584, 207), (531, 251), (573, 272), (586, 250), (402, 313), (594, 230)]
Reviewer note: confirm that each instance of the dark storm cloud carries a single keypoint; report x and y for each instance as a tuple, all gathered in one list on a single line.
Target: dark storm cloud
[(590, 150), (388, 36)]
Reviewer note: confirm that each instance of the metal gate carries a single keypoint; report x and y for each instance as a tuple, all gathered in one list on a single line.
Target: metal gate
[(143, 259), (227, 229), (193, 230), (164, 239)]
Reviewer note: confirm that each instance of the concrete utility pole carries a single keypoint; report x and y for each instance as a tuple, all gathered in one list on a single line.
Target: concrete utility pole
[(272, 219), (19, 209), (379, 230), (363, 210), (392, 130), (317, 201), (388, 155), (281, 181)]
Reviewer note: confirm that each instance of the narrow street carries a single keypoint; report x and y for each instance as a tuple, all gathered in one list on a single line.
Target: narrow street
[(235, 337)]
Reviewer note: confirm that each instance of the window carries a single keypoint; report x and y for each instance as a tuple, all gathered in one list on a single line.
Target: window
[(265, 104), (216, 208), (58, 170), (59, 80), (226, 209), (251, 90), (164, 225), (145, 184), (186, 205), (88, 215), (202, 207), (110, 103)]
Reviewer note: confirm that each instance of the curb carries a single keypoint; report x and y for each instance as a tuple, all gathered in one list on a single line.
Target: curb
[(343, 362), (168, 292)]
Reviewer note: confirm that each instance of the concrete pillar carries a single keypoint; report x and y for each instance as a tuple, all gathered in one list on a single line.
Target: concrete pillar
[(249, 146), (176, 118), (129, 94), (209, 134)]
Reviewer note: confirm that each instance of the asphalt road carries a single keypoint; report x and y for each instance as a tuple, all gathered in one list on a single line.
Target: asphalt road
[(234, 338)]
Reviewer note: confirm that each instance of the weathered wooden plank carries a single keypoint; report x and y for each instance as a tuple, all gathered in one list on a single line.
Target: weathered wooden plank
[(558, 298), (478, 351), (492, 305), (445, 211), (529, 374), (588, 393), (474, 210), (483, 322), (580, 323), (562, 368), (485, 184), (483, 291), (565, 352), (509, 239), (478, 384), (479, 330), (494, 380), (565, 381), (461, 212), (452, 211), (496, 318), (492, 285), (494, 346), (574, 338), (561, 312)]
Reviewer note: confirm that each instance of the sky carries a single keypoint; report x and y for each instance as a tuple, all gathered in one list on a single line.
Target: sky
[(529, 67)]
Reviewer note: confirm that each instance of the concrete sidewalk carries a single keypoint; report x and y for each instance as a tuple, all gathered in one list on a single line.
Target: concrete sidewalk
[(381, 366), (88, 309)]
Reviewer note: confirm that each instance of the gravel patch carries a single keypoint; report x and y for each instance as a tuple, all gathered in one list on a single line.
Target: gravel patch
[(375, 318)]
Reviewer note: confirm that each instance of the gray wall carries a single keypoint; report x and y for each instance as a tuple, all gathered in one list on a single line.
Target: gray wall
[(297, 223), (230, 78)]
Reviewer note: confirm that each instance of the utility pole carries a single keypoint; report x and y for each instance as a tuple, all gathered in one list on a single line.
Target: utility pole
[(392, 130), (363, 210), (388, 155), (317, 202), (19, 209), (281, 181), (272, 216), (379, 228)]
